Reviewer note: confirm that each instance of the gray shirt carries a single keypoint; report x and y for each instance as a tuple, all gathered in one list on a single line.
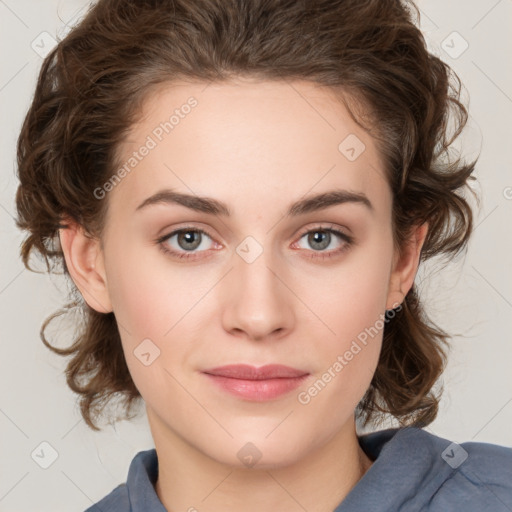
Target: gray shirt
[(413, 471)]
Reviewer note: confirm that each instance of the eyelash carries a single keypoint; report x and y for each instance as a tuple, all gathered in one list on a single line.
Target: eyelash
[(322, 255)]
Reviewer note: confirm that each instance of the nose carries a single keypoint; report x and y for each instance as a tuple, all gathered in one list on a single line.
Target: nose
[(257, 303)]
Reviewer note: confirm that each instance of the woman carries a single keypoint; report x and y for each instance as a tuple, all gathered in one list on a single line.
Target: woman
[(242, 193)]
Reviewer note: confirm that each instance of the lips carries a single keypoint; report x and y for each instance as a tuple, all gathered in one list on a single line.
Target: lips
[(256, 384), (247, 372)]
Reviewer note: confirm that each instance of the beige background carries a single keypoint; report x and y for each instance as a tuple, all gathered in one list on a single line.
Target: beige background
[(472, 297)]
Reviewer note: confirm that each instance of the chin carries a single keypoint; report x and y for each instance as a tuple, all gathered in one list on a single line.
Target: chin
[(259, 453)]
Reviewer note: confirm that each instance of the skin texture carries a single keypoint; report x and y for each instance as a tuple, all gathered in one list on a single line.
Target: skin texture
[(258, 147)]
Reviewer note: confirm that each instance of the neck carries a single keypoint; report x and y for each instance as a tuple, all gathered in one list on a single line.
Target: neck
[(189, 479)]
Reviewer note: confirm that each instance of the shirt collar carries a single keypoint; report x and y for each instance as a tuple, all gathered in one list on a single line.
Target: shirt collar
[(403, 459), (407, 459)]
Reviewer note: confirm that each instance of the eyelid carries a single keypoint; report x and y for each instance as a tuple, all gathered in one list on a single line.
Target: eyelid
[(181, 229), (321, 227), (301, 233)]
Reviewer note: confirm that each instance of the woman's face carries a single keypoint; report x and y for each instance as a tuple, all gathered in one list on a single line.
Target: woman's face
[(270, 281)]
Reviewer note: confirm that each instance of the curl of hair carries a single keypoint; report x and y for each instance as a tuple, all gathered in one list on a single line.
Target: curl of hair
[(370, 53)]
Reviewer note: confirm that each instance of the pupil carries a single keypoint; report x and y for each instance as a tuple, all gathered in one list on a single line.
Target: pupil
[(322, 239), (190, 237)]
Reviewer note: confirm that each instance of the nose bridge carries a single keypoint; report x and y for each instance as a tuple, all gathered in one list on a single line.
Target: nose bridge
[(253, 263), (259, 303)]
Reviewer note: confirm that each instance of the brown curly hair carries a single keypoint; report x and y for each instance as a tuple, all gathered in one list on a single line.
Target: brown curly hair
[(369, 52)]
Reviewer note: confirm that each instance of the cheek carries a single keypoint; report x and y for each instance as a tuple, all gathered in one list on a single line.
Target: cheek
[(353, 308), (135, 299), (351, 295), (154, 299), (142, 289), (350, 302), (147, 304)]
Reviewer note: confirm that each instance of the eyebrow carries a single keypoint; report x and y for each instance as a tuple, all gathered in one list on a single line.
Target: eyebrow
[(214, 207)]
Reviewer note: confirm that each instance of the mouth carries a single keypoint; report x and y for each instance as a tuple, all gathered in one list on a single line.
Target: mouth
[(256, 384)]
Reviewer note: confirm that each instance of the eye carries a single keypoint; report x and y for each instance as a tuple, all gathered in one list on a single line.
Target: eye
[(322, 237), (188, 239), (191, 240)]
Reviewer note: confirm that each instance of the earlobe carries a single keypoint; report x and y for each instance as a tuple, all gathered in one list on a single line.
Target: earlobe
[(84, 261), (405, 268)]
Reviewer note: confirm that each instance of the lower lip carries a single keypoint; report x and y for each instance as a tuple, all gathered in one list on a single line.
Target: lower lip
[(257, 390)]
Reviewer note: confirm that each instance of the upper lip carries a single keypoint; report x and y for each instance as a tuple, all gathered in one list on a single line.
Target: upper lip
[(248, 372)]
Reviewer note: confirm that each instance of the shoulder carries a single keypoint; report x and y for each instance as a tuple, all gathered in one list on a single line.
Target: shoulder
[(415, 469), (484, 466), (476, 474), (138, 493), (490, 461), (115, 501)]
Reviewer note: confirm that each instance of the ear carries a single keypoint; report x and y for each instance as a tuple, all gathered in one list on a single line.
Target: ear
[(85, 263), (405, 266)]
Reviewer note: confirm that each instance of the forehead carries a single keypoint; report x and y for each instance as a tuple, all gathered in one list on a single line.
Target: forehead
[(242, 141)]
